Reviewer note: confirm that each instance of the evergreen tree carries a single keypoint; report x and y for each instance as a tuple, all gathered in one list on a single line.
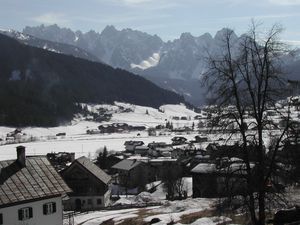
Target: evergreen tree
[(102, 158)]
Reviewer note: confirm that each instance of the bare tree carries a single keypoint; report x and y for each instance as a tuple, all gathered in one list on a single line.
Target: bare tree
[(173, 182), (246, 78)]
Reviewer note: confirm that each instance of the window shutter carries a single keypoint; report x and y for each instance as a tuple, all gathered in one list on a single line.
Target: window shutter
[(1, 218), (30, 212), (20, 214), (54, 207), (45, 209)]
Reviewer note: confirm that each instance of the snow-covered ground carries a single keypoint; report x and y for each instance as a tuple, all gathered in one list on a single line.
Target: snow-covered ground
[(170, 211), (159, 195), (167, 212), (76, 139), (98, 217)]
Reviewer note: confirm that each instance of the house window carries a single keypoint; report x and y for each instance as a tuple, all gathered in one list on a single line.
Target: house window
[(89, 201), (1, 219), (99, 201), (49, 208), (25, 213)]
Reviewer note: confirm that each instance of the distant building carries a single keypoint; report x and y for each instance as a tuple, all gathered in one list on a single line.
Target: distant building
[(183, 150), (141, 150), (200, 139), (131, 145), (89, 183), (160, 149), (61, 160), (114, 128), (178, 140), (31, 191)]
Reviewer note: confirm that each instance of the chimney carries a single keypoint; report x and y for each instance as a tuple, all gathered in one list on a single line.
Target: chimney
[(21, 157)]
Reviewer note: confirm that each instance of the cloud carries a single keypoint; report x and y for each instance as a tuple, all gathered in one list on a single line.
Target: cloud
[(134, 2), (295, 43), (285, 2), (51, 18), (120, 19), (146, 4), (263, 17)]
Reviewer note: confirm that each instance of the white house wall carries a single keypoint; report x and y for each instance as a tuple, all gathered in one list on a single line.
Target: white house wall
[(10, 214), (105, 200)]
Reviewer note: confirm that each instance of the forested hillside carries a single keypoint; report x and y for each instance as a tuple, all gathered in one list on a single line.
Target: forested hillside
[(41, 88)]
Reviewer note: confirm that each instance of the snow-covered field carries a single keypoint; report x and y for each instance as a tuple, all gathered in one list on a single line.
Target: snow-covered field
[(76, 139), (170, 211)]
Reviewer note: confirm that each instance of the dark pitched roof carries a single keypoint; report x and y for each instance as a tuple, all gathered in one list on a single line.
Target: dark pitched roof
[(92, 168), (136, 143), (38, 179), (126, 164)]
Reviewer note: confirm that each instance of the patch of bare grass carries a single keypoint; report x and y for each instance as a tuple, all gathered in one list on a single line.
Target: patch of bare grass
[(192, 217), (108, 222)]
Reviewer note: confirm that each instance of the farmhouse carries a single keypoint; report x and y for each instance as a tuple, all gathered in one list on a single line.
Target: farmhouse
[(31, 191), (130, 172), (89, 183), (211, 180)]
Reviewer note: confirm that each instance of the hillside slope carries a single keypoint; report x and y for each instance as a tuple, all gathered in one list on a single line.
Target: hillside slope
[(41, 88)]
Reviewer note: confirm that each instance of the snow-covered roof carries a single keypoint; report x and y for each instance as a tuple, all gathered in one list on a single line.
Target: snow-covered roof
[(204, 168), (141, 147), (163, 159), (183, 146), (127, 164), (164, 149), (139, 158), (233, 168)]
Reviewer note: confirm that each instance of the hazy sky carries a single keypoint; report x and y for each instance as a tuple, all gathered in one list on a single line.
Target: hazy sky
[(166, 18)]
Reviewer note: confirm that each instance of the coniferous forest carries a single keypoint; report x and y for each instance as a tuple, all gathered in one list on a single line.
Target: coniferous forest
[(42, 88)]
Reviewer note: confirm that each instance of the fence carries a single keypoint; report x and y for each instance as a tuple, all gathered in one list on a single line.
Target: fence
[(68, 218)]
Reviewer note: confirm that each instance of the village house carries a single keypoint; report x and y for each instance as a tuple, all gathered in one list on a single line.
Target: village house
[(106, 128), (212, 180), (16, 136), (141, 150), (89, 183), (157, 166), (111, 160), (178, 140), (61, 160), (200, 139), (218, 151), (160, 149), (131, 145), (183, 150), (295, 102), (31, 191), (113, 128), (130, 172), (137, 128), (198, 117), (93, 131), (182, 129)]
